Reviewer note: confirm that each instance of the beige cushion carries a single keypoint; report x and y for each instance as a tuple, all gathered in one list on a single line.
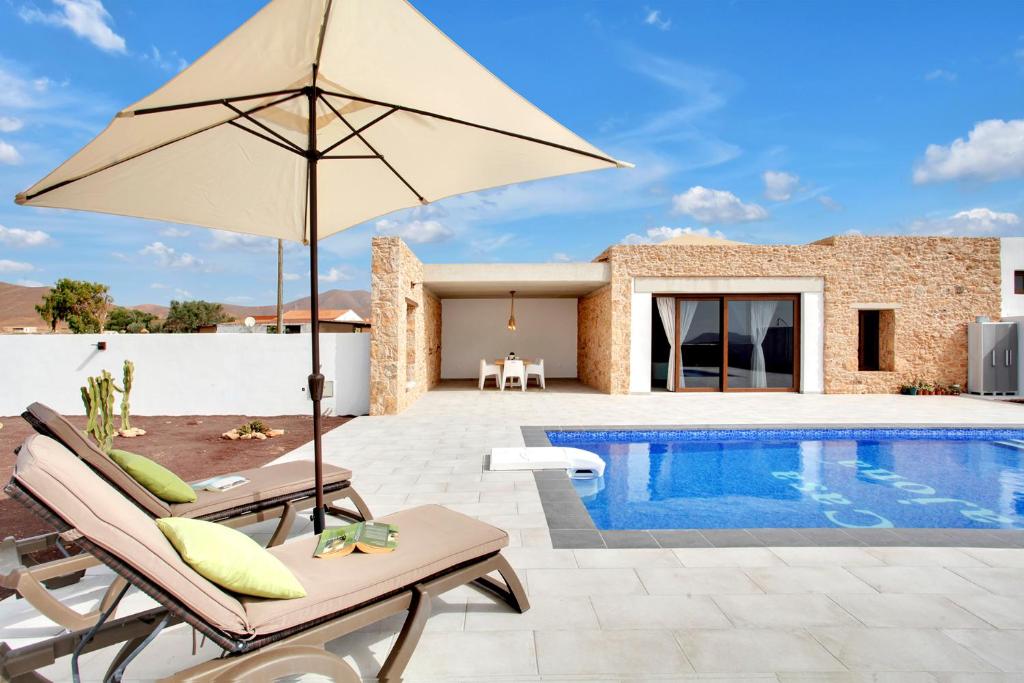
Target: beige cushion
[(104, 516), (431, 539), (265, 483), (80, 445)]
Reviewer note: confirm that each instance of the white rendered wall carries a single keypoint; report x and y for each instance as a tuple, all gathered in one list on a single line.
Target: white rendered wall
[(1011, 257), (472, 329), (812, 343), (187, 374), (640, 343)]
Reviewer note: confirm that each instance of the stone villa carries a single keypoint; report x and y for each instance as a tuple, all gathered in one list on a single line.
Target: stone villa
[(844, 314)]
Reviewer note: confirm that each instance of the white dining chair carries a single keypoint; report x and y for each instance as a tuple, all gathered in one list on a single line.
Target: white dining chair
[(536, 370), (488, 370), (514, 370)]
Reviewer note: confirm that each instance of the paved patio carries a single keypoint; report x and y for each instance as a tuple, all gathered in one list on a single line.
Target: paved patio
[(767, 613)]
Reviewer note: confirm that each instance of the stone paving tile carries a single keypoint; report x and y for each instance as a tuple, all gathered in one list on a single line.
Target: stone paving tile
[(727, 557), (997, 557), (680, 539), (908, 611), (845, 557), (731, 538), (915, 580), (576, 538), (630, 557), (1002, 649), (696, 581), (658, 612), (755, 650), (609, 652), (998, 580), (567, 582), (858, 677), (474, 654), (548, 615), (629, 539), (912, 557), (807, 580), (783, 611), (540, 558), (898, 649), (999, 610)]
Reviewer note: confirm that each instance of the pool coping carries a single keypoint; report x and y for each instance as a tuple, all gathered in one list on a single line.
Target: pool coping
[(571, 526)]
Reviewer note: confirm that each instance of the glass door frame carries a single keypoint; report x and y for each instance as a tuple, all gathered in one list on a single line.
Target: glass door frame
[(723, 321)]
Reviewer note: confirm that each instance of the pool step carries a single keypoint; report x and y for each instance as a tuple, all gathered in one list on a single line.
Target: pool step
[(1012, 443)]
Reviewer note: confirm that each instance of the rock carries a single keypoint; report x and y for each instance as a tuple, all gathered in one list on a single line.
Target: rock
[(275, 432), (245, 437), (233, 435), (259, 435)]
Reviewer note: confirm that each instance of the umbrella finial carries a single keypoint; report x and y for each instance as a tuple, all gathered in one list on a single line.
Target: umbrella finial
[(20, 198)]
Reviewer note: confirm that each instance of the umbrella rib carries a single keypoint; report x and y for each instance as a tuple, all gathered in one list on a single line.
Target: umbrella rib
[(112, 164), (210, 103), (268, 129), (353, 134), (372, 149), (269, 139), (462, 122)]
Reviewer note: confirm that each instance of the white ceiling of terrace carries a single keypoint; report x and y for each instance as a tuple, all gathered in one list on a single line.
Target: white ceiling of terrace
[(529, 280)]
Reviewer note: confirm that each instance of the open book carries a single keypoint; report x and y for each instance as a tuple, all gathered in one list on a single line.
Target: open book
[(228, 481), (367, 537)]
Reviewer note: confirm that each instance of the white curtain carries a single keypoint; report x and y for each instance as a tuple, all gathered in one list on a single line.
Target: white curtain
[(667, 312), (687, 309), (761, 313)]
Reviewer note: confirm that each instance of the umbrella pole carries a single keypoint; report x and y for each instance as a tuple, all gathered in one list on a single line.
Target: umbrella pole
[(316, 379)]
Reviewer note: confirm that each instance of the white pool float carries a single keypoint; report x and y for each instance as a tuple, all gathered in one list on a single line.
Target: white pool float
[(579, 464)]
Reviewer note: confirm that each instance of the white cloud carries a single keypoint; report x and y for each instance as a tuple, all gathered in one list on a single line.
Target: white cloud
[(8, 266), (416, 231), (993, 150), (487, 245), (973, 222), (236, 241), (172, 231), (663, 233), (158, 285), (940, 74), (10, 124), (290, 277), (171, 61), (29, 283), (716, 206), (8, 154), (182, 293), (779, 186), (853, 232), (241, 299), (20, 92), (16, 237), (168, 257), (561, 257), (87, 19), (829, 203), (654, 17), (336, 275)]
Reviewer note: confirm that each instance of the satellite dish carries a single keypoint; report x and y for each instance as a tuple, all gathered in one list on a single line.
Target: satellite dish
[(249, 322)]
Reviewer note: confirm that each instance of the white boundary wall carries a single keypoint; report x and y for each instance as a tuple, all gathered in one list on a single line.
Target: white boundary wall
[(472, 329), (187, 374), (1011, 256)]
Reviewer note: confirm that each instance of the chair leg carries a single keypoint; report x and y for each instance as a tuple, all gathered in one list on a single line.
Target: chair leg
[(511, 591), (284, 526), (362, 509), (401, 653)]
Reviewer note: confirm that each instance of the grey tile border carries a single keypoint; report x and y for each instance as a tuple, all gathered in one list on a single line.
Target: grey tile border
[(572, 527)]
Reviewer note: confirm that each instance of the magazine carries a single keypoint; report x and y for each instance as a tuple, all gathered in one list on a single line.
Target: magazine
[(228, 481), (367, 537)]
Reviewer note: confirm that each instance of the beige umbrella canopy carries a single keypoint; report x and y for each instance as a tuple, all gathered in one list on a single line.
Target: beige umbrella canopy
[(312, 117)]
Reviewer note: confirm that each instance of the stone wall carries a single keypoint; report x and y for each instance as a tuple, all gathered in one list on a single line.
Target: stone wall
[(405, 348), (936, 284), (593, 339)]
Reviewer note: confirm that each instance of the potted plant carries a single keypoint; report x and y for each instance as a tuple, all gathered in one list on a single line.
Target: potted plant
[(954, 389), (910, 389)]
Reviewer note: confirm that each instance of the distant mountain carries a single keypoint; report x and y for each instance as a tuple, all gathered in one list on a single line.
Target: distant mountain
[(17, 304)]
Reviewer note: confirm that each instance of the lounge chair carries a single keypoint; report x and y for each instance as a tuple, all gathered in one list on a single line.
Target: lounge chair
[(438, 550), (273, 492)]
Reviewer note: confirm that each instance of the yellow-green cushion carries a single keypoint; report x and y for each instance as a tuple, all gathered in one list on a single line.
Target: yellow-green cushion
[(230, 559), (161, 482)]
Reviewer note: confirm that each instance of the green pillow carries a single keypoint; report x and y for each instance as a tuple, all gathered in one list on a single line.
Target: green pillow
[(160, 481), (230, 559)]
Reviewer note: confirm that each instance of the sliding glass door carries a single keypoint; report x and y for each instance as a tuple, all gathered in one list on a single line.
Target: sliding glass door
[(737, 343)]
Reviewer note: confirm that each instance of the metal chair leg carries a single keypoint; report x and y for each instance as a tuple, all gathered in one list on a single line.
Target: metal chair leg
[(284, 525), (398, 658)]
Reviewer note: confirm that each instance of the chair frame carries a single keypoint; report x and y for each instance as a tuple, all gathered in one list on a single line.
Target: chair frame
[(245, 656)]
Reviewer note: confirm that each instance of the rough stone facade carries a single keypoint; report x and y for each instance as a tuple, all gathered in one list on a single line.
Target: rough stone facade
[(405, 350), (938, 283), (593, 341)]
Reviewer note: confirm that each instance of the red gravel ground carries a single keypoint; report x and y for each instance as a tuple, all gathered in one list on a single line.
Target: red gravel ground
[(190, 446)]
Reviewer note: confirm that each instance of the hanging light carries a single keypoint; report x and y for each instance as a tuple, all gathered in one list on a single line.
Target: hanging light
[(512, 312)]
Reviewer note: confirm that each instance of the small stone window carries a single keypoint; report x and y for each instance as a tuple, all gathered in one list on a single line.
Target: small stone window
[(1018, 282), (876, 340)]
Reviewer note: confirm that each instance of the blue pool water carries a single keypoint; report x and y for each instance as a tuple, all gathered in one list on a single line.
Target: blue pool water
[(716, 479)]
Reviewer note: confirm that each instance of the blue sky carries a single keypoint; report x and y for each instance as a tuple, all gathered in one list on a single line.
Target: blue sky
[(769, 122)]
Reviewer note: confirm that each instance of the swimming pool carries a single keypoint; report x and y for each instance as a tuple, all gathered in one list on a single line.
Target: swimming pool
[(839, 478)]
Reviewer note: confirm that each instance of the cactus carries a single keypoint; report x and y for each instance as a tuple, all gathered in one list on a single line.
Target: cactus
[(126, 389), (98, 397)]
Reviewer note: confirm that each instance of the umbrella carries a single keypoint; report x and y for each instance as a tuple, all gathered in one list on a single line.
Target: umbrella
[(312, 117)]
